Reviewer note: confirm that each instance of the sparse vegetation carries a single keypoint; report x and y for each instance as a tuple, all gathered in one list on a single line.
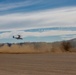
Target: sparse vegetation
[(21, 44), (37, 47), (9, 44), (1, 45), (66, 45)]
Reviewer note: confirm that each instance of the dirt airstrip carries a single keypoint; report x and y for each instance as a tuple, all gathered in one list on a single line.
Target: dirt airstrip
[(38, 64)]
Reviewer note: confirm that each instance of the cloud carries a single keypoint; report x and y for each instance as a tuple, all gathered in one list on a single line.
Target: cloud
[(60, 17), (37, 34), (9, 5), (68, 37)]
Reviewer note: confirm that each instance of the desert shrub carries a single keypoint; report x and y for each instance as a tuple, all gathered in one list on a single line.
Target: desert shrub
[(1, 45), (9, 44), (37, 45), (66, 45), (21, 44)]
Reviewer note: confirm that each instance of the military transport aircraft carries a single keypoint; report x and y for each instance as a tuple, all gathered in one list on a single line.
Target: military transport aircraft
[(18, 37)]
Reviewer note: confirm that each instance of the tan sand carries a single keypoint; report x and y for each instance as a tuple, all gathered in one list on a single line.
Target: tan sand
[(38, 64)]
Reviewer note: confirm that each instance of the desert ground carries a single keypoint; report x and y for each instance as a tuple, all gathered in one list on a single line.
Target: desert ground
[(38, 64)]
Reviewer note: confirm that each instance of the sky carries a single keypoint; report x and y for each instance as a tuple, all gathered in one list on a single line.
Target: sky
[(37, 20)]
